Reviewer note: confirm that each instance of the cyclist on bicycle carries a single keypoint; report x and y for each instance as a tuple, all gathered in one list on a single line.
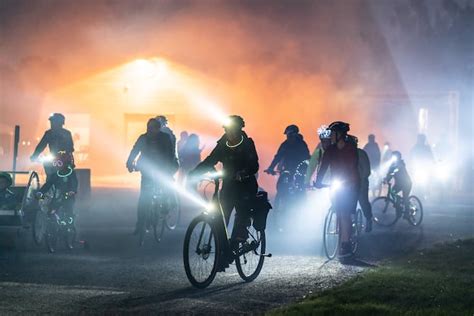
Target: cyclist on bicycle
[(398, 171), (291, 152), (156, 155), (57, 138), (65, 183), (7, 197), (342, 158), (315, 160), (236, 151)]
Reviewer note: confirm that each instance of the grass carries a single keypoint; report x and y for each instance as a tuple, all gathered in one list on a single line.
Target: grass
[(438, 281)]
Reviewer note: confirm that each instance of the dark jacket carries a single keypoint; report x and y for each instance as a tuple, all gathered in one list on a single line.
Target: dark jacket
[(373, 151), (242, 159), (291, 154), (155, 151), (399, 172), (57, 140), (344, 164)]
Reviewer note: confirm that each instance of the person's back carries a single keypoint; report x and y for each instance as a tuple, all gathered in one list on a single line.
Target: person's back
[(373, 152), (291, 152)]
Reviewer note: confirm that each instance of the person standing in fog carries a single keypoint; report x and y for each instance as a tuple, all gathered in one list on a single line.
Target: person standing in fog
[(183, 137), (191, 155)]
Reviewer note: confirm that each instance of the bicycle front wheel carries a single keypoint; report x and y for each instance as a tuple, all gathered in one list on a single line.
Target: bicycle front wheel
[(384, 211), (174, 212), (331, 234), (40, 224), (201, 252), (415, 212), (357, 225), (250, 262), (51, 236)]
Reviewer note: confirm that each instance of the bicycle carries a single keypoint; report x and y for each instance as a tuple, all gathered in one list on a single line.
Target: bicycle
[(290, 189), (388, 209), (207, 246), (331, 238), (164, 212), (59, 225)]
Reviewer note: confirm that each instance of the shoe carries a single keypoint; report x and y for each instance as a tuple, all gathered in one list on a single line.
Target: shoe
[(368, 225), (345, 250)]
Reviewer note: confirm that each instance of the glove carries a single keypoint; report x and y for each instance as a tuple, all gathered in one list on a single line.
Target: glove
[(240, 176), (39, 195), (318, 185), (130, 167)]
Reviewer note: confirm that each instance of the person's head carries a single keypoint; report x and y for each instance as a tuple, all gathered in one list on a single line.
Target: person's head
[(153, 127), (5, 181), (291, 132), (386, 146), (421, 139), (63, 161), (371, 138), (338, 131), (162, 119), (183, 135), (324, 136), (233, 126), (396, 156), (56, 120), (193, 141)]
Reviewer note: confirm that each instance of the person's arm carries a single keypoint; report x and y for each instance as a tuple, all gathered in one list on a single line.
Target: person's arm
[(313, 163), (306, 151), (137, 148), (210, 161), (323, 167), (278, 157), (252, 160), (41, 146), (69, 143)]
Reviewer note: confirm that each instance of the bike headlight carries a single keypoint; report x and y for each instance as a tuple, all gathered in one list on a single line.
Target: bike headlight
[(211, 207), (46, 158), (336, 185)]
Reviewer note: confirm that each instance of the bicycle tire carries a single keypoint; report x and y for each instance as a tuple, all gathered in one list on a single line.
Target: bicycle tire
[(172, 224), (207, 250), (384, 212), (70, 236), (51, 236), (261, 259), (419, 210), (330, 222), (39, 227)]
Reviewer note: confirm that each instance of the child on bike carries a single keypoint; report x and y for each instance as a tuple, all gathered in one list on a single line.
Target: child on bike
[(399, 173), (7, 197), (65, 184)]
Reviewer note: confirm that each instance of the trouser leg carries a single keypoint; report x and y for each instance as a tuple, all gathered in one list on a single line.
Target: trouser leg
[(364, 199)]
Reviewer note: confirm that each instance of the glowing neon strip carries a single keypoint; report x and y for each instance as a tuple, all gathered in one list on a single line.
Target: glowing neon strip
[(64, 175), (233, 146)]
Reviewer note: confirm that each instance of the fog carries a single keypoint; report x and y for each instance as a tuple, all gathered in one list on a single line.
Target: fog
[(371, 63)]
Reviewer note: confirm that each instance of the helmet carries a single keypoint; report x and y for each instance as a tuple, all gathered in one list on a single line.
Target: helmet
[(234, 121), (162, 119), (324, 133), (339, 126), (7, 176), (57, 117), (291, 129), (63, 158), (397, 154)]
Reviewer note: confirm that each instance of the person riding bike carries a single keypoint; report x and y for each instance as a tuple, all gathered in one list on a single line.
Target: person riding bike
[(364, 173), (57, 138), (156, 156), (398, 171), (291, 152), (342, 158), (65, 184), (325, 141), (7, 197), (236, 151)]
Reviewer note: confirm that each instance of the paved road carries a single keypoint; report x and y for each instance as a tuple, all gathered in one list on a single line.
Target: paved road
[(113, 275)]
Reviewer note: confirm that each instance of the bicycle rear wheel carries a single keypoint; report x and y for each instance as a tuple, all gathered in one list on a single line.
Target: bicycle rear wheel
[(250, 262), (384, 211), (70, 236), (415, 215), (40, 224), (331, 234), (200, 252), (158, 225)]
